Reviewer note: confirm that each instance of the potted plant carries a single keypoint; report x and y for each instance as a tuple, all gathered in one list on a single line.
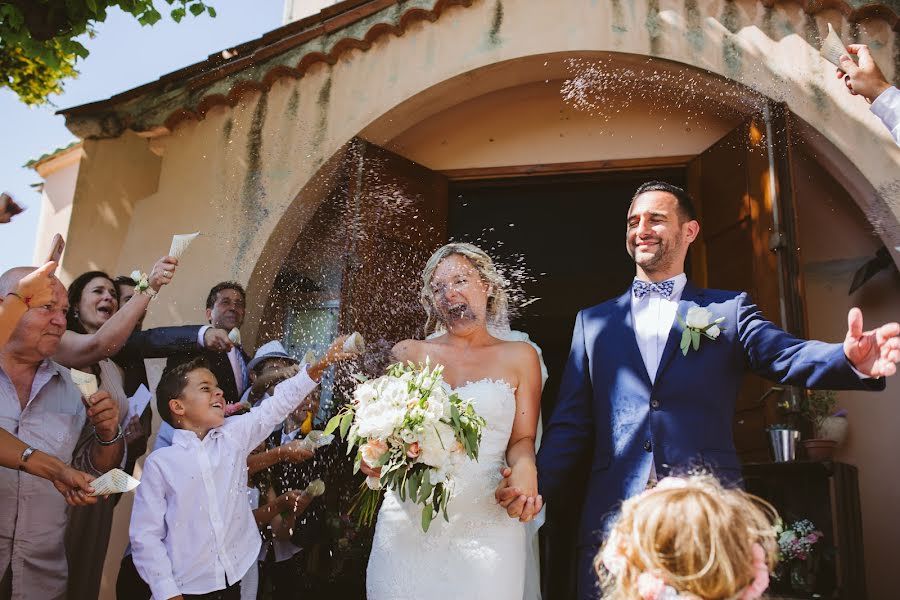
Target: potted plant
[(817, 406)]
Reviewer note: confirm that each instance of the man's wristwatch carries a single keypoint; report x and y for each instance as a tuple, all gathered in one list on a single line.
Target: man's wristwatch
[(102, 442), (26, 454)]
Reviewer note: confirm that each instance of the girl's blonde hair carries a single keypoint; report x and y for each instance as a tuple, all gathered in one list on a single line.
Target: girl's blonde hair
[(498, 302), (692, 534)]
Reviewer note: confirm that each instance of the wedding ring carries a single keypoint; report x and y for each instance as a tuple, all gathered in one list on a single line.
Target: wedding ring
[(168, 273)]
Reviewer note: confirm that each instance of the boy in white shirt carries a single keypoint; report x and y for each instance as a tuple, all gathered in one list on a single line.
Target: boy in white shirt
[(192, 532)]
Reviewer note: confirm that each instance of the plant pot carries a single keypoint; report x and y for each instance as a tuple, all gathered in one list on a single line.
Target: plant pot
[(834, 428), (819, 450)]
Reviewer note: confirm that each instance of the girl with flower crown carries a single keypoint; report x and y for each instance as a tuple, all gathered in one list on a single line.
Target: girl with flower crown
[(689, 539)]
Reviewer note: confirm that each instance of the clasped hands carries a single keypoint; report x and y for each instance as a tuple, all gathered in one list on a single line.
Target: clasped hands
[(520, 500)]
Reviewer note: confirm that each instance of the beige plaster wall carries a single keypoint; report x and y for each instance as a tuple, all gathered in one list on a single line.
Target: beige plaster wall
[(60, 175), (835, 240), (533, 124)]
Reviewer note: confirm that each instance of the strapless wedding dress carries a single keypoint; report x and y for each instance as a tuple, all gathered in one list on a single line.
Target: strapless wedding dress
[(480, 553)]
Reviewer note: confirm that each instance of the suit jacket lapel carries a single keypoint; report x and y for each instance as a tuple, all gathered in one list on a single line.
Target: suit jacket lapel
[(688, 297), (630, 339)]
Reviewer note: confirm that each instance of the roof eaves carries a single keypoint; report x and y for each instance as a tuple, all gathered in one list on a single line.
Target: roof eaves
[(290, 50)]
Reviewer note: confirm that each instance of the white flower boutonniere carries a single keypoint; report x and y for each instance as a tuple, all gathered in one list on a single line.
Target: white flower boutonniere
[(698, 322)]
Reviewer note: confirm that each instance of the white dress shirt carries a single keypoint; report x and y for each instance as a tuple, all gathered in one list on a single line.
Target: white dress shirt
[(192, 529), (887, 108), (653, 318)]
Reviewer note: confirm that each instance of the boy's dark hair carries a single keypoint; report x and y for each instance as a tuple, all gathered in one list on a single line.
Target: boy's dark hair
[(172, 384), (685, 203), (124, 280), (225, 285)]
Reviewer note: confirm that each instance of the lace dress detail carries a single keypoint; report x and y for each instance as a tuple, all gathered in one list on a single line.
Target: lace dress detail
[(480, 553)]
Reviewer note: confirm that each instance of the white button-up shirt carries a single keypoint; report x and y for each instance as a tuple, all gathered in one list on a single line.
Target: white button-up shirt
[(192, 529), (653, 318), (887, 108)]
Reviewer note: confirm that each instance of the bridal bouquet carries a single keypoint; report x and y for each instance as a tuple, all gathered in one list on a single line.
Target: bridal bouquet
[(409, 424)]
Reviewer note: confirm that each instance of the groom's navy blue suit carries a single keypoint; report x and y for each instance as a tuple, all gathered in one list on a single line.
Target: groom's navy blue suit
[(610, 412)]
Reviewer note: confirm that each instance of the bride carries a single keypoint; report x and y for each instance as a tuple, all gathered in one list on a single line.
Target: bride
[(481, 552)]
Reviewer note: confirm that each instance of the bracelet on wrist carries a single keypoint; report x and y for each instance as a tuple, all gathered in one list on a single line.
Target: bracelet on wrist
[(102, 442), (26, 454), (142, 284), (26, 300)]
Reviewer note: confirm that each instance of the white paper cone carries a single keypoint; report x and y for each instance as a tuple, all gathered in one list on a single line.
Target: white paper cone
[(116, 481), (316, 488), (833, 47), (85, 382), (235, 336), (181, 242), (355, 343)]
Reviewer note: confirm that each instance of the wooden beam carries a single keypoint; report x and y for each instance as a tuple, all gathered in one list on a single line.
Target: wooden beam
[(591, 166)]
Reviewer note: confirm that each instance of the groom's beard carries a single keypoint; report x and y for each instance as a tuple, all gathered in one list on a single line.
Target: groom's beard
[(660, 260)]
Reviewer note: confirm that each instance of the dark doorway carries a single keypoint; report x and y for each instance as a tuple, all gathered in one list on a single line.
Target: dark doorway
[(568, 234)]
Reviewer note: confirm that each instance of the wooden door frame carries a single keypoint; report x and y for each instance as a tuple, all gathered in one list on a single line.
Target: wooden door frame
[(570, 168)]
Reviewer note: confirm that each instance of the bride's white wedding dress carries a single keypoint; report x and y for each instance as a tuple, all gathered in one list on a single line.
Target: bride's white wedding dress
[(481, 552)]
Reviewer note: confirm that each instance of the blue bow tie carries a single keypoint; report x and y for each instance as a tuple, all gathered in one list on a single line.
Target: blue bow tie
[(663, 288)]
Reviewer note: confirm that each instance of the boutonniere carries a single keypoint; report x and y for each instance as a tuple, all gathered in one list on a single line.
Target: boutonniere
[(698, 322)]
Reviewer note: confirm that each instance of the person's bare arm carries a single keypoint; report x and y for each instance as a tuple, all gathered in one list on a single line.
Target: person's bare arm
[(520, 451), (46, 466), (78, 350), (294, 452), (103, 413)]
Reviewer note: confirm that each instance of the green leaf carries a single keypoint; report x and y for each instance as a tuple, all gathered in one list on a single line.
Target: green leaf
[(177, 14), (346, 421), (695, 336), (425, 487), (685, 340), (333, 424), (211, 11), (427, 516), (357, 463), (413, 484), (197, 9)]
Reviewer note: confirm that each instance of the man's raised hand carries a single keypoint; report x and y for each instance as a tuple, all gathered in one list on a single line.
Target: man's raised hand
[(875, 352)]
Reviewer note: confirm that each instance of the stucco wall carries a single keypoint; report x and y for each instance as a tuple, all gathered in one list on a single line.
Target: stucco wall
[(835, 240), (60, 176)]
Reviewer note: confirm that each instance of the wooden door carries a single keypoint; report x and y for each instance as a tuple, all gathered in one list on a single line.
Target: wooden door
[(397, 216), (742, 185)]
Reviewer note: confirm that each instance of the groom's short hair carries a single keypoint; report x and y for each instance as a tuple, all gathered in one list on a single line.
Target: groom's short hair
[(685, 203)]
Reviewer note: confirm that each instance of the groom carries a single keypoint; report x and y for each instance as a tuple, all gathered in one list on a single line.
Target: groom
[(638, 409)]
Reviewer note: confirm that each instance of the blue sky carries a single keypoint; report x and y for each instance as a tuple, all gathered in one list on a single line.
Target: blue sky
[(123, 55)]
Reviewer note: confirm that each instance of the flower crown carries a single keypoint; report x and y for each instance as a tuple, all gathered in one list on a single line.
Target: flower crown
[(653, 586)]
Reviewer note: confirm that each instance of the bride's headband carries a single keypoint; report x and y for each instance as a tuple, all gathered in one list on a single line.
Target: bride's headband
[(653, 585)]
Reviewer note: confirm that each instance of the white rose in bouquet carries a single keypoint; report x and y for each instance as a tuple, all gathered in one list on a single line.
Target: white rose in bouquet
[(435, 443)]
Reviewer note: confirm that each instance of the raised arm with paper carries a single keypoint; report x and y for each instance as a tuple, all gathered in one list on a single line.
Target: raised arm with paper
[(81, 350)]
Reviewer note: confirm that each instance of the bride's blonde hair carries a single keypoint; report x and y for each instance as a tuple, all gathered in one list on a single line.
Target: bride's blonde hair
[(693, 535), (498, 302)]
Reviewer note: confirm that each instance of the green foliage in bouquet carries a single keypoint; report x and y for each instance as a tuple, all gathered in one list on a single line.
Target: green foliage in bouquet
[(408, 424)]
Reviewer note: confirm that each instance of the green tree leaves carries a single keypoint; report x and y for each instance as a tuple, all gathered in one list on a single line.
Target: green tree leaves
[(38, 49)]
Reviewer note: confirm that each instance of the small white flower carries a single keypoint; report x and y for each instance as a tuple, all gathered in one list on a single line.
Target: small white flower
[(713, 331), (136, 276), (698, 318)]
